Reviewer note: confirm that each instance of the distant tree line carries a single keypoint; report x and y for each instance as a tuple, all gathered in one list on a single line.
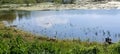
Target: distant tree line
[(28, 2), (105, 0), (16, 1), (34, 1), (40, 1)]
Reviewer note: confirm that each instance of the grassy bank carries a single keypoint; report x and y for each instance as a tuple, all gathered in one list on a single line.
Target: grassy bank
[(14, 41)]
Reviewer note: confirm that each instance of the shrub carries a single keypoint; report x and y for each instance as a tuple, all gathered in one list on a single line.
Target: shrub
[(114, 49), (84, 50), (7, 35)]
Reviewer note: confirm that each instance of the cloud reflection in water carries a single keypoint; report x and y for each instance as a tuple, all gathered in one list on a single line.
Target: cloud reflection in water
[(49, 21)]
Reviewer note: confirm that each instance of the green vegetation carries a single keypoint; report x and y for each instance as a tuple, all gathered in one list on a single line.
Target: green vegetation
[(16, 1), (33, 1), (14, 41), (57, 1)]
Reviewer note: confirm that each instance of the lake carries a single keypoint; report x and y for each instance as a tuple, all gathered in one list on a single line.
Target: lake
[(92, 25)]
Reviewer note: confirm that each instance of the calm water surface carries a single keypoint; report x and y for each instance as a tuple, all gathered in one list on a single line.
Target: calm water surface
[(94, 25)]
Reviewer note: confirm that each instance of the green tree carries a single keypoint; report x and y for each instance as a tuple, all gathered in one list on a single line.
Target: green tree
[(58, 1), (72, 1), (40, 1), (0, 3), (28, 2), (19, 1)]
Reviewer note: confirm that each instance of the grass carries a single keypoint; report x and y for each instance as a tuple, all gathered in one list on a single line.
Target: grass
[(14, 41)]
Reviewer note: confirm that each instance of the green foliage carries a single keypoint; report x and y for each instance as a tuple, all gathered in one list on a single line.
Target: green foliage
[(58, 1), (114, 49), (84, 50), (29, 2), (40, 1), (19, 45), (34, 1), (7, 35), (16, 1)]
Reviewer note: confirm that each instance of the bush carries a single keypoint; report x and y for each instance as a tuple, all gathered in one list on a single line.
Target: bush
[(84, 50), (114, 49), (18, 45), (7, 35)]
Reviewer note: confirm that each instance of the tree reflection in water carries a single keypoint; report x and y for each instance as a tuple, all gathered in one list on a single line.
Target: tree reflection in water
[(8, 16), (23, 14)]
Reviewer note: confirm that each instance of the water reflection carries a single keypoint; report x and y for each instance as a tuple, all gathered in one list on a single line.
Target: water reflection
[(23, 14), (94, 25), (51, 20), (8, 16)]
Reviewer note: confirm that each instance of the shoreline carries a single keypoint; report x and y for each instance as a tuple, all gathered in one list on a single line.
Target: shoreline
[(52, 6), (11, 30), (12, 40)]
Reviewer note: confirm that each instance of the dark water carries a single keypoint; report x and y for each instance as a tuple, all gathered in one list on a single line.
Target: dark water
[(93, 25)]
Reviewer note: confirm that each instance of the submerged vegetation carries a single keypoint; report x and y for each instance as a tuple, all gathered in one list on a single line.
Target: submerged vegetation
[(13, 41)]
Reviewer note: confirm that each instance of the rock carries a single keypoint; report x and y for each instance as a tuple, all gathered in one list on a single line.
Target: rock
[(108, 40)]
